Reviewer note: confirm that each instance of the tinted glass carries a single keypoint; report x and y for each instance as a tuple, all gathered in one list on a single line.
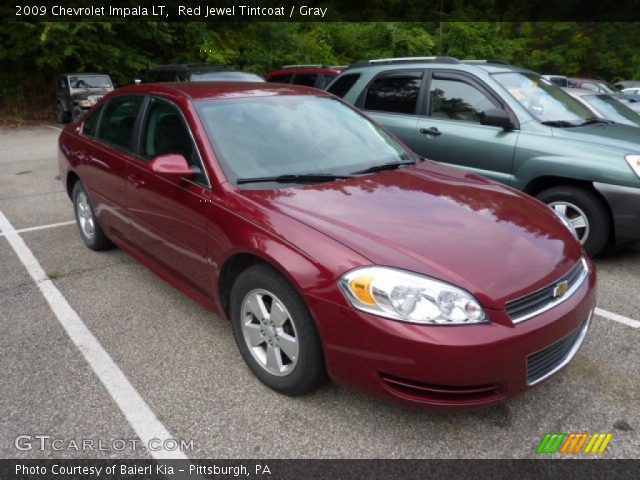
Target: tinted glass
[(118, 119), (89, 81), (326, 80), (343, 84), (276, 135), (544, 100), (397, 93), (306, 79), (458, 100), (165, 131), (613, 110), (286, 78), (165, 76), (90, 122)]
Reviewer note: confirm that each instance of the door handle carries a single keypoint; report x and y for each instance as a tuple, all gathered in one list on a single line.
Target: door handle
[(433, 131), (136, 181)]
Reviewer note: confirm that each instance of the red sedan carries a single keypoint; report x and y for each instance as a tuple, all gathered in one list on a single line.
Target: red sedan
[(331, 247)]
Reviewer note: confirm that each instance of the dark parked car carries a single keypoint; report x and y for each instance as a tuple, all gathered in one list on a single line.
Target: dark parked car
[(317, 76), (608, 106), (330, 246), (627, 84), (78, 92), (514, 126), (197, 72)]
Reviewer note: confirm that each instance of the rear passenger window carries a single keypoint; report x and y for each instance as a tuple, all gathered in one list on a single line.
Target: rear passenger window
[(284, 78), (118, 119), (90, 123), (306, 79), (343, 84), (397, 93), (458, 100)]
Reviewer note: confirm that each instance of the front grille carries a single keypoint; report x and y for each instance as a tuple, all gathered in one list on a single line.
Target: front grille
[(542, 300), (546, 362)]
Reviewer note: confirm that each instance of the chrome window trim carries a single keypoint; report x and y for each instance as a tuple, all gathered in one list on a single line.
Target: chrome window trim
[(574, 349), (578, 283)]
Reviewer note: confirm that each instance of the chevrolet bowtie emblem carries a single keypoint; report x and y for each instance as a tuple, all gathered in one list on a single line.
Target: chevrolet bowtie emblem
[(560, 289)]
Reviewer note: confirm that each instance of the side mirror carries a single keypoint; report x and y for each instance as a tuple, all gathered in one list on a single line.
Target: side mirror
[(172, 166), (496, 117)]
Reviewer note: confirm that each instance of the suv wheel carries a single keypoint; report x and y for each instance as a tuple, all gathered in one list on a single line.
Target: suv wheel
[(584, 211), (87, 221), (275, 333), (63, 116)]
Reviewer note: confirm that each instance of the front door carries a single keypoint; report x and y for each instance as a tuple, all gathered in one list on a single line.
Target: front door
[(169, 218), (450, 130)]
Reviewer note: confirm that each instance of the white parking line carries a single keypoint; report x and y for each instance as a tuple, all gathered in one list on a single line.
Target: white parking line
[(630, 322), (41, 227), (135, 409)]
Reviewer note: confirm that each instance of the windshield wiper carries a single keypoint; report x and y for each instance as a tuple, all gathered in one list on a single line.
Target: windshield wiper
[(559, 123), (294, 178), (385, 166), (594, 121)]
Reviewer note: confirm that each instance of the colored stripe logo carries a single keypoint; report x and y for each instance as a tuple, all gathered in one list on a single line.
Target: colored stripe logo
[(574, 443)]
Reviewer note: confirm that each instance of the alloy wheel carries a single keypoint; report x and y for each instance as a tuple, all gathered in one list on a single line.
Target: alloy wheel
[(574, 216)]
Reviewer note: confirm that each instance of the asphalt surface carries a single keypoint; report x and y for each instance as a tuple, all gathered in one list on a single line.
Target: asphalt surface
[(183, 362)]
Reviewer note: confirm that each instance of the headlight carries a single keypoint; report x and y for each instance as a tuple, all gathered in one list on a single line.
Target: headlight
[(634, 163), (409, 297), (85, 103)]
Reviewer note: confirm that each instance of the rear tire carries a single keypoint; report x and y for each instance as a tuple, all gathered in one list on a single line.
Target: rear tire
[(584, 211), (63, 116), (280, 343), (86, 219)]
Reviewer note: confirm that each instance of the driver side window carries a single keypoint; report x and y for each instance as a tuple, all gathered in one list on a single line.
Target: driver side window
[(165, 131), (457, 100)]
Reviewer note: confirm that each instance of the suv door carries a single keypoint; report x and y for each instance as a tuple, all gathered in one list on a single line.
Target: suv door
[(392, 99), (451, 129), (169, 218)]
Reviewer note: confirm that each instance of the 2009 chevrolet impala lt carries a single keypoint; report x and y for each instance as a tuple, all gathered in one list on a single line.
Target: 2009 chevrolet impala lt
[(330, 246)]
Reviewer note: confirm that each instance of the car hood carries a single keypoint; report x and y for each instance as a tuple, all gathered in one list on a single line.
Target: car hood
[(493, 241), (620, 136)]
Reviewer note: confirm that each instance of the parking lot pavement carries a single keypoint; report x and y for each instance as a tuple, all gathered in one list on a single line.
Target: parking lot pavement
[(183, 362)]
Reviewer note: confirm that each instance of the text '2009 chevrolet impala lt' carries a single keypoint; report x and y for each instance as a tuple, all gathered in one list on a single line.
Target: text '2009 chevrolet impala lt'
[(331, 247)]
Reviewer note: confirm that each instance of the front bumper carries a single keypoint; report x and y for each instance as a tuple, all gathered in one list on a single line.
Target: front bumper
[(449, 367), (624, 203)]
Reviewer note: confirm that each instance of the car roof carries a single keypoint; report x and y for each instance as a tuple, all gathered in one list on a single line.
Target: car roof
[(292, 69), (582, 79), (83, 74), (212, 90), (490, 66), (193, 67), (581, 92)]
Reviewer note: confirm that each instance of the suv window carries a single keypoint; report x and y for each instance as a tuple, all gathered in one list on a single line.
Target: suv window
[(165, 131), (396, 93), (118, 119), (454, 99), (284, 78), (89, 123), (306, 79), (343, 84)]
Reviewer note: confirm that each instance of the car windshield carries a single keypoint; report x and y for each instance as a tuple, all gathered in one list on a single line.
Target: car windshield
[(612, 109), (267, 136), (544, 100), (89, 81), (225, 77)]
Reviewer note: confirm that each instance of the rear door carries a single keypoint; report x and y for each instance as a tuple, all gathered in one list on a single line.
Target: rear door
[(392, 99), (169, 219), (450, 128)]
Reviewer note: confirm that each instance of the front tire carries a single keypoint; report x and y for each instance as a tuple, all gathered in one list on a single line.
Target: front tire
[(275, 332), (584, 211), (86, 219)]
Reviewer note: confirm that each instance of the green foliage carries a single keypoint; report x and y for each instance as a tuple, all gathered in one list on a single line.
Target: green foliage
[(33, 53)]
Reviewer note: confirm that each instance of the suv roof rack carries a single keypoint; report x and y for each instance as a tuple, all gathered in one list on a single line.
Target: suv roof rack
[(497, 62), (382, 61), (311, 65)]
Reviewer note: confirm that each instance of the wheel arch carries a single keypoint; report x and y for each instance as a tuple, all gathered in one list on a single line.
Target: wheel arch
[(72, 178)]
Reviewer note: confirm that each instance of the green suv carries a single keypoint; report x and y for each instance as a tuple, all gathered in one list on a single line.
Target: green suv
[(514, 126)]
